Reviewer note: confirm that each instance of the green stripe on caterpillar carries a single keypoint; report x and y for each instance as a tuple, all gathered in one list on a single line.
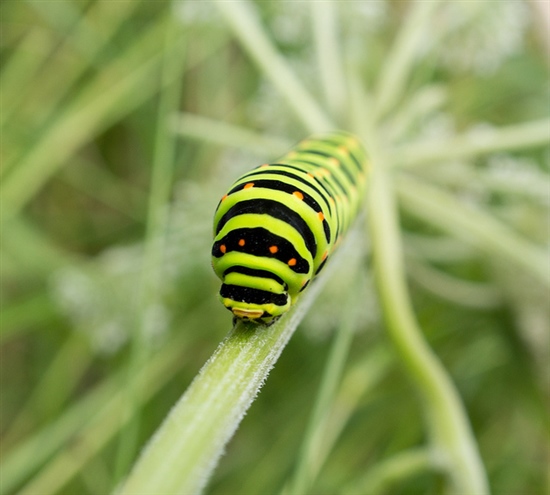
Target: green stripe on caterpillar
[(278, 224)]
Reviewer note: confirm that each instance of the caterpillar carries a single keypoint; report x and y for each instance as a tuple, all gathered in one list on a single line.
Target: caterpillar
[(278, 224)]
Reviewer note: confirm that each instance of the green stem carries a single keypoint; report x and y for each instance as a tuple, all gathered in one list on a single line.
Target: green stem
[(185, 450), (446, 416), (447, 420)]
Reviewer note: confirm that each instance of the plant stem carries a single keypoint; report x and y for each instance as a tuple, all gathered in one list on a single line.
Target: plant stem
[(186, 448), (451, 433)]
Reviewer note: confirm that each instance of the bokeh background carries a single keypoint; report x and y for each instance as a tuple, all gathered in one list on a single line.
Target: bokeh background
[(82, 123)]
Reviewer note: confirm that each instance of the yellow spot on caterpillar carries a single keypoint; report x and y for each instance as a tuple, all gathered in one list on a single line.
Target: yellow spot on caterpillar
[(224, 197), (325, 254), (298, 194), (273, 249), (264, 165), (321, 216), (241, 242), (292, 262), (223, 249), (249, 185), (248, 313)]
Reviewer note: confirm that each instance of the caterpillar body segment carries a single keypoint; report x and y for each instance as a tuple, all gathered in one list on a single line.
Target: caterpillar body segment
[(278, 224)]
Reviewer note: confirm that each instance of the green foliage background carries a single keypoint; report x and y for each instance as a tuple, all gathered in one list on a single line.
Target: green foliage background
[(90, 309)]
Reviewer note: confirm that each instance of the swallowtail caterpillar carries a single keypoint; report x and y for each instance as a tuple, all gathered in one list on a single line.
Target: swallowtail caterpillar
[(278, 224)]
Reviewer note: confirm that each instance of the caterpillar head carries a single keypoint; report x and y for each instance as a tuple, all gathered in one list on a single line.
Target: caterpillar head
[(254, 304)]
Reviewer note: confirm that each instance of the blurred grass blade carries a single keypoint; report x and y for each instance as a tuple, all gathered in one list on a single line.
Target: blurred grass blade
[(509, 138), (437, 248), (19, 318), (91, 423), (83, 39), (244, 22), (308, 462), (19, 71), (33, 251), (400, 61), (330, 57), (358, 380), (55, 387), (30, 454), (184, 451), (382, 476), (155, 237), (416, 109), (472, 225), (218, 132), (80, 121), (82, 44), (76, 23), (471, 294), (106, 99)]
